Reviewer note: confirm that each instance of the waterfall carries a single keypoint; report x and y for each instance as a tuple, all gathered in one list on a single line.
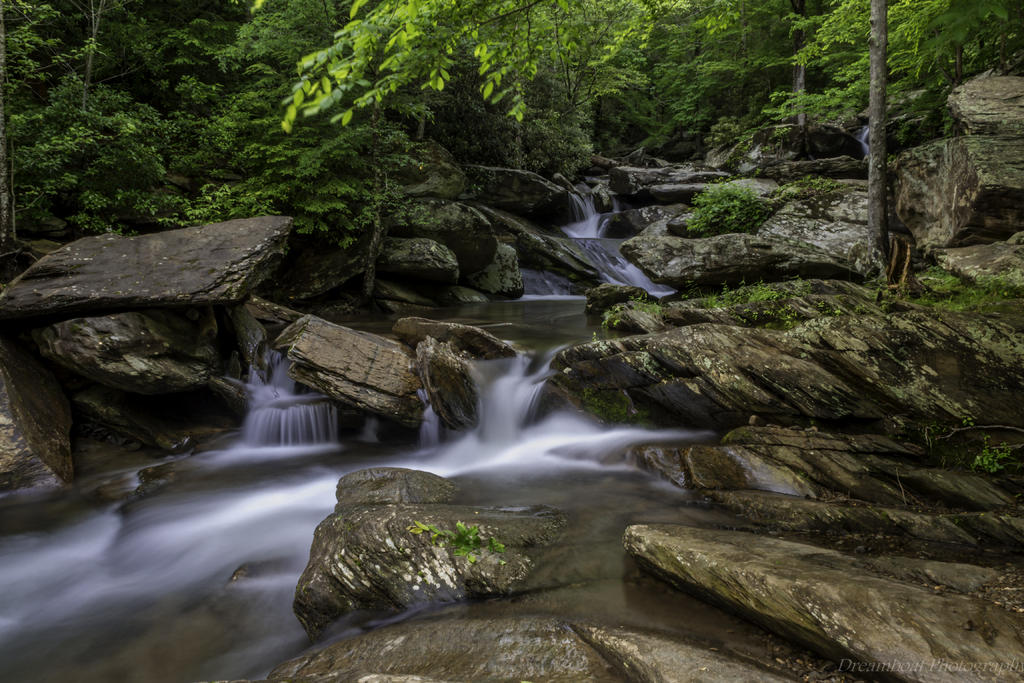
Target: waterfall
[(281, 413), (864, 138)]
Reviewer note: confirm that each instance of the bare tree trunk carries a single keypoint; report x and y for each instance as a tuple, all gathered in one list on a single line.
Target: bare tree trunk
[(799, 70), (6, 206), (877, 157), (377, 228)]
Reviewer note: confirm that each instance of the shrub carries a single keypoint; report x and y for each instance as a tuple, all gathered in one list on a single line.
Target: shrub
[(725, 209)]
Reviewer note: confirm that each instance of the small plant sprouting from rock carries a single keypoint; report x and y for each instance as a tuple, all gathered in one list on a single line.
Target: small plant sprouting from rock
[(993, 459), (725, 209), (465, 540)]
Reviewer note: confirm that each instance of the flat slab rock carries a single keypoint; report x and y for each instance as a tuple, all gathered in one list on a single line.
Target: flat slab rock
[(1004, 260), (538, 648), (820, 598), (475, 342), (218, 263), (357, 368)]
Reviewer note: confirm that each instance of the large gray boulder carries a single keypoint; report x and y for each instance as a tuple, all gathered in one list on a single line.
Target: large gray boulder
[(473, 341), (364, 556), (888, 369), (837, 168), (314, 267), (432, 173), (963, 191), (356, 368), (989, 105), (730, 259), (419, 258), (822, 599), (836, 223), (147, 352), (521, 192), (35, 423), (448, 382), (502, 277), (460, 227), (218, 263), (981, 262), (632, 181)]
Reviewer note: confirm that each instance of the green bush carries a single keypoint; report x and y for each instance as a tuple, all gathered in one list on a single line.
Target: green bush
[(727, 208)]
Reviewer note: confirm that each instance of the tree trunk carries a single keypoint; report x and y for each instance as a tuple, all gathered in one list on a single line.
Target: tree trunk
[(799, 70), (6, 206), (377, 229), (877, 175)]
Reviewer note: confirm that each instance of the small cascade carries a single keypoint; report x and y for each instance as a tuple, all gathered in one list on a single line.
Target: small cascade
[(282, 413), (864, 138), (588, 230), (540, 283)]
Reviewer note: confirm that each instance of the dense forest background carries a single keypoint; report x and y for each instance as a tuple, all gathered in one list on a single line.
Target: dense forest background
[(127, 115)]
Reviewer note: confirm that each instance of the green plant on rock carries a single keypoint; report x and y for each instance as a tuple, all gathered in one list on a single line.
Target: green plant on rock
[(945, 290), (464, 540), (808, 187), (723, 209), (613, 316), (993, 459)]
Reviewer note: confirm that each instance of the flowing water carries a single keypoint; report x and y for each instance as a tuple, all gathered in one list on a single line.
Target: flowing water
[(864, 138), (587, 231)]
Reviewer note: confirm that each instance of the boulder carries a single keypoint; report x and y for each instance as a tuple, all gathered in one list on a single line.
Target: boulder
[(836, 223), (540, 250), (634, 221), (473, 341), (730, 259), (606, 295), (250, 335), (787, 143), (820, 598), (419, 258), (457, 295), (882, 369), (392, 485), (356, 368), (455, 649), (315, 266), (631, 181), (520, 192), (386, 290), (676, 193), (462, 228), (432, 173), (502, 277), (146, 352), (791, 513), (837, 168), (35, 423), (963, 191), (448, 383), (365, 556), (208, 264), (762, 187), (989, 105), (981, 262)]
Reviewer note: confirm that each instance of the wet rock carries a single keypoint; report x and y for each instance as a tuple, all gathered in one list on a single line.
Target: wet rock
[(963, 191), (635, 317), (676, 193), (250, 335), (762, 187), (475, 342), (641, 656), (419, 258), (965, 578), (631, 181), (35, 423), (456, 649), (989, 105), (448, 382), (392, 485), (521, 192), (606, 295), (790, 513), (502, 277), (634, 221), (730, 260), (232, 393), (457, 295), (837, 168), (388, 290), (146, 352), (314, 267), (819, 598), (1003, 260), (356, 368), (218, 263), (174, 423), (462, 228), (542, 251), (836, 223), (365, 557), (777, 305), (433, 173), (269, 312), (900, 367)]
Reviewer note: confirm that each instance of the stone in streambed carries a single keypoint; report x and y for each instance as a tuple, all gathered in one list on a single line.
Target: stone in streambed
[(218, 263), (356, 368), (146, 352), (35, 423), (448, 382), (819, 598), (475, 342), (419, 258), (502, 276)]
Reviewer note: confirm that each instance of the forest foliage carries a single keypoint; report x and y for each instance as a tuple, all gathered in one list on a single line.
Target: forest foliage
[(128, 115)]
